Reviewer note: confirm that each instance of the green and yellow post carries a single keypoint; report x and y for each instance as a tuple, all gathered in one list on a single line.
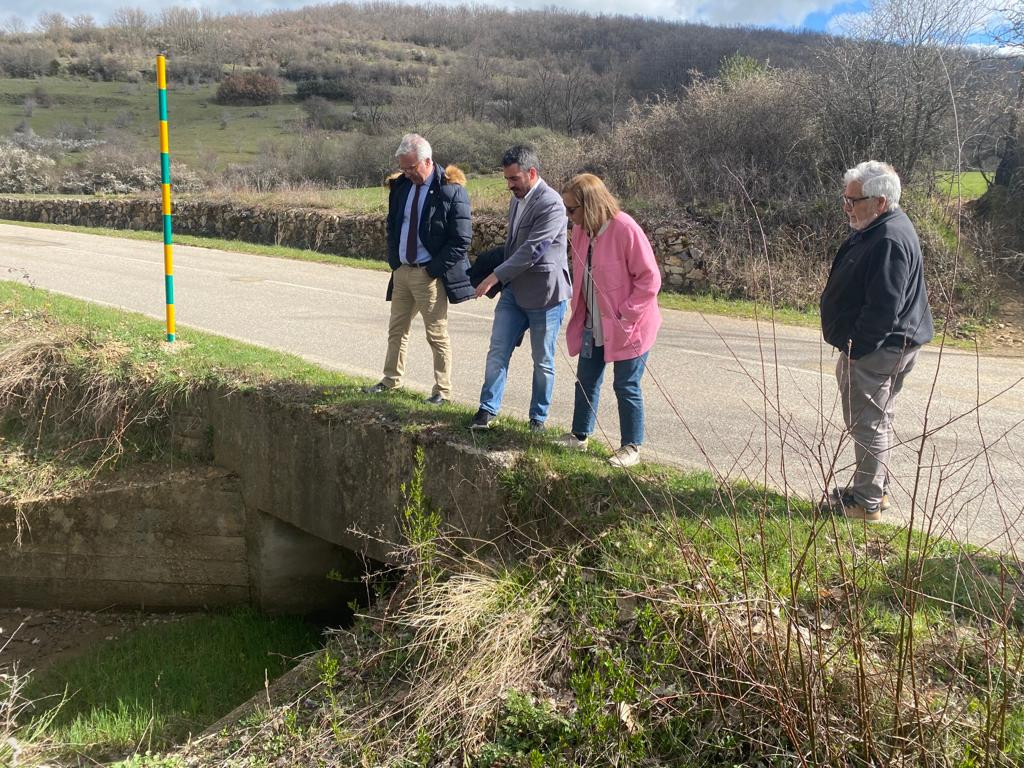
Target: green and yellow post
[(165, 188)]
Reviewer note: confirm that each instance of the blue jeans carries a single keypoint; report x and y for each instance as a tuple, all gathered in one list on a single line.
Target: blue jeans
[(510, 323), (590, 374)]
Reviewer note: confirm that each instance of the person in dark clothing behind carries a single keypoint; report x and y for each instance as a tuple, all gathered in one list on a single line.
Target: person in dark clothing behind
[(874, 310)]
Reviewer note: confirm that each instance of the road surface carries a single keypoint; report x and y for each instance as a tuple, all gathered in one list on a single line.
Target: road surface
[(722, 394)]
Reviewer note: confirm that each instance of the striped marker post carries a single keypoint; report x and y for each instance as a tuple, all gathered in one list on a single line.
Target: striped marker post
[(165, 188)]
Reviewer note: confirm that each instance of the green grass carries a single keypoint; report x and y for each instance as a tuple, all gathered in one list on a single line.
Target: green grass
[(743, 308), (202, 133), (159, 683), (683, 549), (195, 356), (969, 185), (124, 344), (665, 565)]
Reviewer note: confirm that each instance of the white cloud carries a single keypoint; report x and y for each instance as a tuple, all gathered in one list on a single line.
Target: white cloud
[(782, 13), (847, 23)]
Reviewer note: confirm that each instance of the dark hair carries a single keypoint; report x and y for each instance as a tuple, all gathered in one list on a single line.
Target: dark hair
[(522, 156)]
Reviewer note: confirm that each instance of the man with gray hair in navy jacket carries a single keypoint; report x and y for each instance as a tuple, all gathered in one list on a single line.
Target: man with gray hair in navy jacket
[(874, 310)]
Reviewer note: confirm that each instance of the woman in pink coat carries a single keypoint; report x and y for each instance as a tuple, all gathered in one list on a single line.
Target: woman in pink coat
[(615, 316)]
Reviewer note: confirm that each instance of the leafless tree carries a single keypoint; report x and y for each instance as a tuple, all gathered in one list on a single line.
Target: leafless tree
[(1011, 163), (53, 26), (579, 98), (185, 30), (83, 28), (134, 24), (889, 89), (14, 26)]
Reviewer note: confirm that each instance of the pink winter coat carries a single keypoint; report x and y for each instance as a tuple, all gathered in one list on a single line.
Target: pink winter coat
[(627, 280)]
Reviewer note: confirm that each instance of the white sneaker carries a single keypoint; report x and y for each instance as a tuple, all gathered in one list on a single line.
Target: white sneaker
[(572, 442), (626, 456)]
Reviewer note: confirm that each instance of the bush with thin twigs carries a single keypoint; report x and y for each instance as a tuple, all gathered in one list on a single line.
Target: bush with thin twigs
[(249, 88), (22, 170)]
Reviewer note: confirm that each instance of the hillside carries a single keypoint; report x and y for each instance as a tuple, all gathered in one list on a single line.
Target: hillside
[(720, 122)]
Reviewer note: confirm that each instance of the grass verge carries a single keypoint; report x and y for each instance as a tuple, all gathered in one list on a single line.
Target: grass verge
[(155, 686), (672, 620), (969, 185), (648, 617)]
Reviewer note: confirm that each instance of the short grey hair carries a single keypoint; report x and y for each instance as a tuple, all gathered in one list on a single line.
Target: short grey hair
[(877, 179), (413, 142)]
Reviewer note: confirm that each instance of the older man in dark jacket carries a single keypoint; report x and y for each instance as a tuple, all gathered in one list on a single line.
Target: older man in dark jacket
[(874, 310), (429, 233)]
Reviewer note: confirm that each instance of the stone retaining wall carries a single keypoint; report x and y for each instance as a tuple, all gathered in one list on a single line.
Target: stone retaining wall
[(359, 235)]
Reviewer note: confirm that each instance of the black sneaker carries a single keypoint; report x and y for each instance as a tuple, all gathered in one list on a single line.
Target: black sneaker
[(536, 426), (436, 399), (482, 420), (376, 389)]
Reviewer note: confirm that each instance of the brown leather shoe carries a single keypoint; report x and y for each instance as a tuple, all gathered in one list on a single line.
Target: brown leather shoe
[(837, 495), (853, 510)]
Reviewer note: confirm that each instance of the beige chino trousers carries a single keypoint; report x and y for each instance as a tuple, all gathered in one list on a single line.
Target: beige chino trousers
[(414, 291)]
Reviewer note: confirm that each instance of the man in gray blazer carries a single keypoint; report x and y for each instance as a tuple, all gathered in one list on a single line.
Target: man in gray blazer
[(535, 287)]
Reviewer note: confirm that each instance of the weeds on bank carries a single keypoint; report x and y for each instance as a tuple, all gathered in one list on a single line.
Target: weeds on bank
[(661, 617), (151, 688), (23, 742), (666, 618)]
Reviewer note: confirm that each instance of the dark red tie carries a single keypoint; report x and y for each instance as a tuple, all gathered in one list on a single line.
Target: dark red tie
[(414, 224)]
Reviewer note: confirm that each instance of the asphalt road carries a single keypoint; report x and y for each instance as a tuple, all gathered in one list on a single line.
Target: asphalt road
[(722, 394)]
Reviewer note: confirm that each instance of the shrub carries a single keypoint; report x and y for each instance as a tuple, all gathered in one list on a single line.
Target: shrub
[(254, 88), (749, 130), (194, 71), (331, 88), (113, 169), (42, 97), (323, 114), (108, 68), (24, 171), (26, 60)]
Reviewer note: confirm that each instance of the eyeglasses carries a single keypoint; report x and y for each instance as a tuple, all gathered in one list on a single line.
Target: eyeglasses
[(411, 169), (571, 209), (851, 201)]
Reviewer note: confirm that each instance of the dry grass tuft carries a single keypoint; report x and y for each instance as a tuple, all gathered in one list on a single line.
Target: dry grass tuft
[(71, 400), (20, 746), (476, 636)]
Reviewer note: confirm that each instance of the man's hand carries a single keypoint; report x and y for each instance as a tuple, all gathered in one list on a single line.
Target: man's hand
[(488, 282)]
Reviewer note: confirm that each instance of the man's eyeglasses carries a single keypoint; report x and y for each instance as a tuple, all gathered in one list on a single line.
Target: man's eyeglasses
[(411, 169), (571, 209), (851, 201)]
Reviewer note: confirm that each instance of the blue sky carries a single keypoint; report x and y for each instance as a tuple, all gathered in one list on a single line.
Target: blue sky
[(812, 14)]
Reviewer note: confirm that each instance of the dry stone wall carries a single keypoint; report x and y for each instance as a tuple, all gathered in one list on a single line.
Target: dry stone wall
[(344, 234)]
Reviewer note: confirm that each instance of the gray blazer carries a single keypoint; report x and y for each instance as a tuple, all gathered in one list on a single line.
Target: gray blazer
[(536, 268)]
